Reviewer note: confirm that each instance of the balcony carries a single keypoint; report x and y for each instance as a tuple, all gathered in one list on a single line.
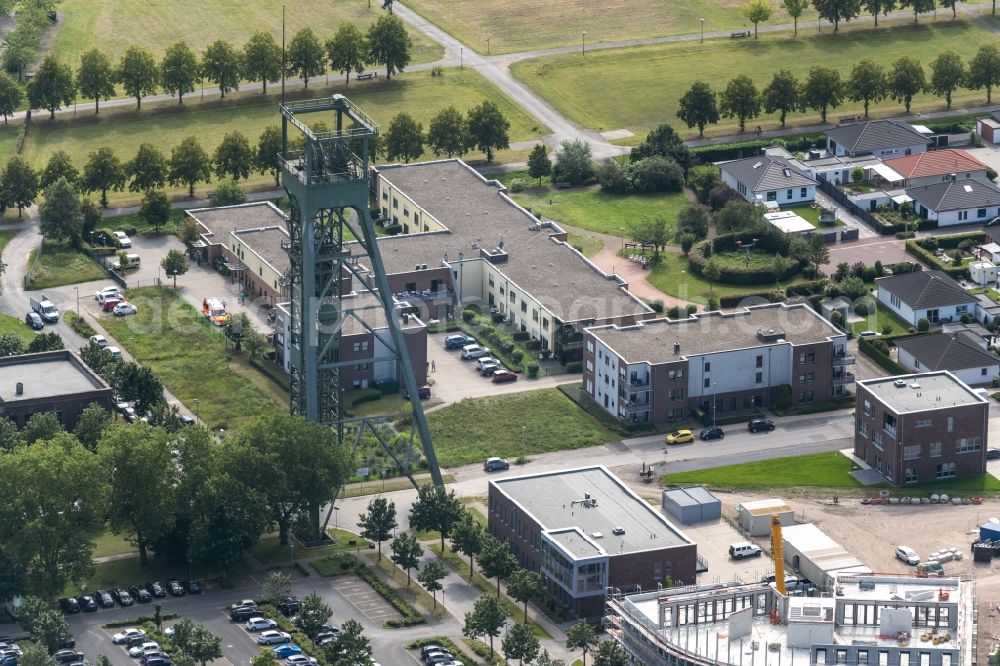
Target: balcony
[(843, 359), (635, 383), (843, 378), (637, 407)]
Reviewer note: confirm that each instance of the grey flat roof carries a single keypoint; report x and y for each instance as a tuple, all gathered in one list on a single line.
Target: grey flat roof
[(932, 390), (372, 315), (476, 210), (46, 375), (552, 498), (267, 242), (652, 341), (220, 222)]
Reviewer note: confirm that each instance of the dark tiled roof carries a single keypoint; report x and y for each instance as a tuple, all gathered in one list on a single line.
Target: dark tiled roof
[(957, 195), (875, 135), (764, 172), (925, 289), (947, 351)]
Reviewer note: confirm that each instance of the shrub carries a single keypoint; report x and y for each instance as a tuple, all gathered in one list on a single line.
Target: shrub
[(517, 185), (966, 318), (517, 355), (923, 325), (574, 163), (887, 329), (721, 195), (532, 370), (692, 308), (521, 336), (861, 310), (857, 173), (613, 177), (574, 367), (468, 315), (782, 397), (674, 312), (881, 346), (991, 174), (139, 619), (712, 305), (657, 305), (656, 174)]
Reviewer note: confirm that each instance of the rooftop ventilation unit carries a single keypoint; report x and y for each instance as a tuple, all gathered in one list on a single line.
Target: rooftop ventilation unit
[(899, 383), (618, 531), (587, 501), (758, 165), (915, 385), (597, 535)]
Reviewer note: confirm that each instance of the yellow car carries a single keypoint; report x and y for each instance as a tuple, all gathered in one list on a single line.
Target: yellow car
[(680, 437)]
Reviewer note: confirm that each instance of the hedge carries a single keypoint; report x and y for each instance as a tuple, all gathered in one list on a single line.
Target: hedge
[(409, 613), (79, 324), (737, 149), (916, 249), (733, 300), (951, 241), (886, 363), (729, 274), (139, 619)]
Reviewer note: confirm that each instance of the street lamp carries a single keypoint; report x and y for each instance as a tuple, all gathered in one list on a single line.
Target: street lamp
[(197, 415), (715, 392), (336, 517), (461, 57), (77, 289), (702, 31), (524, 440), (622, 230), (583, 48), (487, 46)]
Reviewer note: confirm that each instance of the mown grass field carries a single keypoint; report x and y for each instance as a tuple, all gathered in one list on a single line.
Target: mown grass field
[(114, 25), (512, 425), (674, 277), (54, 265), (166, 125), (653, 78)]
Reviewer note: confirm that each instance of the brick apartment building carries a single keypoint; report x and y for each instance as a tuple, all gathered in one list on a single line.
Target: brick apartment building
[(54, 381), (921, 428), (661, 369), (585, 531)]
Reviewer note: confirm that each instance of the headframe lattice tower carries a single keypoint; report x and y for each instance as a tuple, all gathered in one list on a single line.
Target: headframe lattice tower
[(327, 180)]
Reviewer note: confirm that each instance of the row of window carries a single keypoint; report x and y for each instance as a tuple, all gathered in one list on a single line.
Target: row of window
[(773, 195), (964, 214), (758, 379)]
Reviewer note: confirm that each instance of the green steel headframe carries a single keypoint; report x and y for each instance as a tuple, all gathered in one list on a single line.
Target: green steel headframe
[(327, 178)]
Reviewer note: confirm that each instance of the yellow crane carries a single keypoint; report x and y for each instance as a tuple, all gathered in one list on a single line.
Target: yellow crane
[(776, 552)]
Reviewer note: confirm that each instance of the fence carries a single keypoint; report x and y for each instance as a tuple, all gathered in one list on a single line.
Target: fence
[(865, 216)]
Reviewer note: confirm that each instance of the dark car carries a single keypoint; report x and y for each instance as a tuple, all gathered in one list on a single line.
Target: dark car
[(176, 589), (424, 392), (495, 465), (760, 425), (157, 660), (289, 606), (68, 642), (65, 656), (711, 432), (34, 321), (140, 594), (122, 596), (993, 454), (457, 341), (156, 589), (135, 641), (87, 604), (192, 586), (243, 613), (104, 599), (69, 605)]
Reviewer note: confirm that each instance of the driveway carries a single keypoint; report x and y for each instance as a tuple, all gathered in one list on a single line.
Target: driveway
[(869, 250)]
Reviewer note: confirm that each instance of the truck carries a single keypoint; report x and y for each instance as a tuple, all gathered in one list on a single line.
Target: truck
[(215, 310), (45, 308)]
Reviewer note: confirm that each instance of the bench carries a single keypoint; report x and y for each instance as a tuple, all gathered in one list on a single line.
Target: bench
[(367, 75), (740, 33), (847, 119)]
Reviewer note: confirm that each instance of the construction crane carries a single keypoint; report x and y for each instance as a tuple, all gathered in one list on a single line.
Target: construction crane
[(778, 555)]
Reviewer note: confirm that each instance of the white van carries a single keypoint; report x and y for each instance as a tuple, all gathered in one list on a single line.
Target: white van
[(131, 261)]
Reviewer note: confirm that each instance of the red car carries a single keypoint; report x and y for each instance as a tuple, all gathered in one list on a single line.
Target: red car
[(504, 376), (109, 304)]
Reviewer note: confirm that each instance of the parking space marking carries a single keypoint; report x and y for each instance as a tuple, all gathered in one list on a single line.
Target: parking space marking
[(365, 599)]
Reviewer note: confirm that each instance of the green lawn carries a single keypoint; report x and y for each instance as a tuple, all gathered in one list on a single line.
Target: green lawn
[(269, 551), (122, 573), (55, 265), (878, 317), (658, 75), (8, 141), (155, 24), (512, 425), (16, 325), (588, 244), (189, 357), (167, 125), (811, 215), (108, 543), (675, 278), (139, 223), (824, 470)]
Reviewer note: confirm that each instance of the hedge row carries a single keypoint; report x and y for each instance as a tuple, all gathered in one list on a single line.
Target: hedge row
[(698, 259), (952, 241), (139, 619), (885, 362), (928, 257), (733, 300), (409, 613), (737, 149)]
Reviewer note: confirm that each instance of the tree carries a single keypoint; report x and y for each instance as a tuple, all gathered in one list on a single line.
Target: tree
[(653, 231), (740, 99), (610, 653), (539, 164), (233, 157), (19, 185), (545, 659), (95, 79), (91, 425), (781, 94), (305, 55), (41, 425), (52, 87), (795, 9), (140, 473), (58, 166), (581, 635), (59, 215), (757, 11), (954, 6), (448, 133), (430, 577), (739, 216), (378, 522), (520, 643), (818, 253), (693, 219), (138, 73), (486, 618), (822, 90), (488, 129), (262, 59), (698, 107), (405, 138), (103, 172), (155, 209), (496, 559), (574, 163), (666, 142), (136, 383), (42, 342), (984, 70), (53, 519), (836, 11), (350, 646), (406, 552), (276, 588), (313, 614), (148, 169), (867, 83), (10, 437), (389, 44), (268, 148), (265, 658), (906, 79), (467, 538), (10, 96), (918, 6), (295, 466), (523, 586), (875, 7), (48, 626), (227, 193), (174, 263), (435, 509), (221, 65), (347, 50), (947, 74), (179, 70), (202, 645), (35, 654)]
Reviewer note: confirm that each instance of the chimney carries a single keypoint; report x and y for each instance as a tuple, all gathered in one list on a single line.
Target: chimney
[(677, 346), (19, 389)]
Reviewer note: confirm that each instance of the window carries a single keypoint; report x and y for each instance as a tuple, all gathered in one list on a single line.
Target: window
[(760, 361), (867, 409), (889, 424), (981, 212), (909, 476), (772, 196), (395, 202), (406, 211), (708, 383), (590, 346), (675, 394), (863, 429), (946, 470), (675, 374), (788, 194), (708, 367), (545, 323), (911, 452), (926, 423), (935, 450), (534, 315), (968, 445), (759, 378), (982, 371), (806, 377), (491, 279), (963, 214), (951, 424), (877, 439), (361, 367), (803, 192), (524, 306), (806, 396), (933, 315), (513, 296)]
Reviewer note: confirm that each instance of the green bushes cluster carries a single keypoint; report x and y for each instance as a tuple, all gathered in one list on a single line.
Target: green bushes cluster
[(880, 354), (734, 273), (919, 249), (139, 619)]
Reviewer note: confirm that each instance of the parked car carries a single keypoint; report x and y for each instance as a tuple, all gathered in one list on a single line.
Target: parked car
[(106, 292), (243, 613), (99, 340), (242, 604), (34, 320), (289, 606), (470, 352), (760, 425), (438, 658), (176, 589), (123, 309), (140, 594), (156, 660), (503, 375), (134, 641), (66, 656), (104, 599), (301, 660), (993, 454), (423, 392), (69, 605), (908, 555), (738, 551), (114, 351), (711, 432), (485, 361), (109, 303), (148, 647), (126, 634), (457, 341), (495, 465), (122, 596), (192, 586), (324, 636), (261, 624), (680, 437), (87, 604), (427, 649), (272, 637), (286, 650), (122, 239)]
